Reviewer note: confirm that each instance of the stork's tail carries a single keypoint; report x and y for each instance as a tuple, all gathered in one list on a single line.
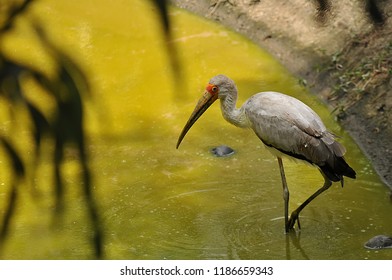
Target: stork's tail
[(335, 169)]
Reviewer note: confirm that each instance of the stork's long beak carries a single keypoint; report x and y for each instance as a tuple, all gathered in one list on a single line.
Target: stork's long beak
[(202, 105)]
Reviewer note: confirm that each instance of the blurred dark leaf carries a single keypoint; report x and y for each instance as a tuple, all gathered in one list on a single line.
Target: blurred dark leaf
[(64, 126), (17, 163), (19, 173), (68, 86), (8, 214), (41, 124), (13, 12)]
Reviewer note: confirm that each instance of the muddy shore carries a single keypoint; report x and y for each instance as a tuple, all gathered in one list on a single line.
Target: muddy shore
[(343, 56)]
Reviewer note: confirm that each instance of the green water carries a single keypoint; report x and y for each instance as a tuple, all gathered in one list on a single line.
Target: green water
[(157, 202)]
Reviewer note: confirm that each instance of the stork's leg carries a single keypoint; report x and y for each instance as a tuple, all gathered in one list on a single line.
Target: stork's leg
[(295, 214), (286, 195)]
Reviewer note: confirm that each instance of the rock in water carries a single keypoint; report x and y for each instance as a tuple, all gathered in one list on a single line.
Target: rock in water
[(222, 151), (379, 242)]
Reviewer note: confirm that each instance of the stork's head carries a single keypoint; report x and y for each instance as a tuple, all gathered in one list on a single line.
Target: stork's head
[(219, 86), (223, 84)]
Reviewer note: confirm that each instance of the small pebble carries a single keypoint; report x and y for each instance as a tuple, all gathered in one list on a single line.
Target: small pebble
[(379, 242), (222, 151)]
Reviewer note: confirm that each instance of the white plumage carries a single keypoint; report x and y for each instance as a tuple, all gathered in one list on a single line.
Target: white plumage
[(284, 124)]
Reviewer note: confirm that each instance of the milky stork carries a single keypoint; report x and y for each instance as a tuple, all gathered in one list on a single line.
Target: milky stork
[(284, 124)]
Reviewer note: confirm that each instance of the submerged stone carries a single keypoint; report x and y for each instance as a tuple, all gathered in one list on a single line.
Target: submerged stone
[(222, 151), (379, 242)]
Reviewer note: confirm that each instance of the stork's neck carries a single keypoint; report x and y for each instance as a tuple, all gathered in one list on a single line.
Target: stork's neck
[(231, 113)]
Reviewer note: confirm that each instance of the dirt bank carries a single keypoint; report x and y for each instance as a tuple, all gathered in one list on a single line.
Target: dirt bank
[(342, 55)]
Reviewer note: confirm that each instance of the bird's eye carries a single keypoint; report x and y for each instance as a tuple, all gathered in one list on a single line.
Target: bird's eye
[(213, 89)]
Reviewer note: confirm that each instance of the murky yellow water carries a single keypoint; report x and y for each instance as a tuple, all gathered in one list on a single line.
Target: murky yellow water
[(161, 203)]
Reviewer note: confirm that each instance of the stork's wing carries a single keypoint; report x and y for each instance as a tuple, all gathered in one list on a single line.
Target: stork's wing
[(290, 126)]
